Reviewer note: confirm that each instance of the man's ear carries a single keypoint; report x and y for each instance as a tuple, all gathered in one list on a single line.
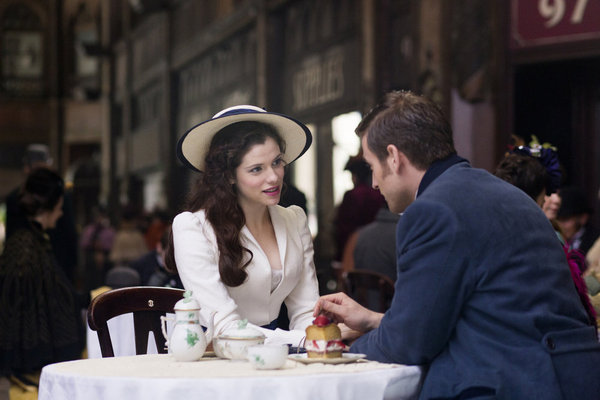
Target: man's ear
[(395, 158)]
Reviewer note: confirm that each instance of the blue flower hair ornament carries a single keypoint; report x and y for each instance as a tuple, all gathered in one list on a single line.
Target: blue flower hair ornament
[(546, 154)]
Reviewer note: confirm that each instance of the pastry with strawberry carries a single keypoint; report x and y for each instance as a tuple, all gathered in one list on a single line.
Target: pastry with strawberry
[(323, 339)]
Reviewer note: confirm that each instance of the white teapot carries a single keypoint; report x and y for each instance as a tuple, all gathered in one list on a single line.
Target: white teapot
[(187, 341)]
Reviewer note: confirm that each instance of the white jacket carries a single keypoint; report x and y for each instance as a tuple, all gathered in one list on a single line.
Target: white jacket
[(196, 256)]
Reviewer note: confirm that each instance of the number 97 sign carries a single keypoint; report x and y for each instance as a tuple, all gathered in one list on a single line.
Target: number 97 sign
[(539, 22)]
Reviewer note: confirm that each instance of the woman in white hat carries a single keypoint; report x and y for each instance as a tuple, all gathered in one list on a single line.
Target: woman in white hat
[(240, 253)]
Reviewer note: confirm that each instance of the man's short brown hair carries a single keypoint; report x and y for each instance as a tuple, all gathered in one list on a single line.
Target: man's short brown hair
[(412, 123)]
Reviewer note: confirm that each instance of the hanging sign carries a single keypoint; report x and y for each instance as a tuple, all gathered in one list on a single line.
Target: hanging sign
[(540, 22)]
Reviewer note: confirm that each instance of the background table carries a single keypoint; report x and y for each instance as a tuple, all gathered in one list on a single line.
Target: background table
[(159, 376)]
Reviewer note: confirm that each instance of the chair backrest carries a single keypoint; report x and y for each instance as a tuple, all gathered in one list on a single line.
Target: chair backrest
[(364, 285), (147, 303)]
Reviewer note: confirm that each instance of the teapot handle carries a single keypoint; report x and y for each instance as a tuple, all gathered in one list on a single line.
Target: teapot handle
[(163, 327)]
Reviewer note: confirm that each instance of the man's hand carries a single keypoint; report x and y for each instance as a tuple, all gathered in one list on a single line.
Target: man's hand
[(341, 308)]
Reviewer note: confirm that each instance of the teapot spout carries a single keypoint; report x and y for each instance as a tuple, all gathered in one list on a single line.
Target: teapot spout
[(210, 328)]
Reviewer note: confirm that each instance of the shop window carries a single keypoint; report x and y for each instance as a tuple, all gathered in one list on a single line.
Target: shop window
[(22, 51), (86, 49)]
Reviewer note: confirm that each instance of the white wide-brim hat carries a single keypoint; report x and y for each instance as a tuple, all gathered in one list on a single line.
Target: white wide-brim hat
[(194, 144)]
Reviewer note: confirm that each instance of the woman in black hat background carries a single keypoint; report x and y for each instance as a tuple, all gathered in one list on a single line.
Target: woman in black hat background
[(40, 311), (241, 253)]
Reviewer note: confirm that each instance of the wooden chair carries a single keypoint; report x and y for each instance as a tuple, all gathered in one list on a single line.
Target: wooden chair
[(362, 285), (147, 303)]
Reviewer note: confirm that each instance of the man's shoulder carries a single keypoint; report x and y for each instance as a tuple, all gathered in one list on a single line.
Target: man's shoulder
[(464, 183), (463, 172), (474, 197)]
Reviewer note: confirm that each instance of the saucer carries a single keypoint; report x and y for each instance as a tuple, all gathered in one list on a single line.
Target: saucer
[(344, 359)]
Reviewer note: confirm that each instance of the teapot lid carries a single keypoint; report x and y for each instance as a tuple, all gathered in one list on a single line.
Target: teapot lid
[(187, 303), (242, 331)]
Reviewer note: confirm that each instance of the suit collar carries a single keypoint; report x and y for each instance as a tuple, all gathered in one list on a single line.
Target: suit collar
[(436, 169)]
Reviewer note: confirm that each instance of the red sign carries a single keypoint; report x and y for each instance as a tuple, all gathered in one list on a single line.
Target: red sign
[(538, 22)]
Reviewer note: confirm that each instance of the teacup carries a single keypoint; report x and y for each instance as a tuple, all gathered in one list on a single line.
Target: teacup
[(268, 356)]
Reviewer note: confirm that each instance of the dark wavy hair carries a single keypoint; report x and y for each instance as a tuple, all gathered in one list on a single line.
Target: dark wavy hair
[(548, 158), (217, 196), (524, 172), (41, 192), (412, 123)]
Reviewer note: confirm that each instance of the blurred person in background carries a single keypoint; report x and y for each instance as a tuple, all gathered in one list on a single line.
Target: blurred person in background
[(64, 235), (592, 274), (129, 243), (373, 246), (96, 242), (551, 206), (40, 311), (159, 221), (359, 205), (151, 266), (574, 219)]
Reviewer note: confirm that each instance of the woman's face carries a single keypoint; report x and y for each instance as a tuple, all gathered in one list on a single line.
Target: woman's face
[(260, 175), (541, 199), (551, 206), (49, 218)]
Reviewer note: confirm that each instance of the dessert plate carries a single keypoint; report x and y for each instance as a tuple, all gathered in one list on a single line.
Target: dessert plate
[(344, 359)]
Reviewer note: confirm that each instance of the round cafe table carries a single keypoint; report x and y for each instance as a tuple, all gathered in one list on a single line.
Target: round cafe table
[(159, 376)]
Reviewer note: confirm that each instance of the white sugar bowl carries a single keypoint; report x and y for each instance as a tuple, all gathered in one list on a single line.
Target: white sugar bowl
[(234, 342), (268, 356)]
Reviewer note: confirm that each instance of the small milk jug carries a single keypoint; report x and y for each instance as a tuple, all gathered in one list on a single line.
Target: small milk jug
[(187, 341)]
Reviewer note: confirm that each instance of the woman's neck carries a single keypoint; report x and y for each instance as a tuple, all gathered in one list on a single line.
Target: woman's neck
[(42, 219), (257, 218), (258, 222)]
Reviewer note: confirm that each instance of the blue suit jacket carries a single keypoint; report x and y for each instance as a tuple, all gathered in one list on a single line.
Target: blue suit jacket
[(484, 297)]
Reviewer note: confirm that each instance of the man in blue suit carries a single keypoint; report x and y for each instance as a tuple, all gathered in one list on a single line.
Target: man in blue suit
[(484, 298)]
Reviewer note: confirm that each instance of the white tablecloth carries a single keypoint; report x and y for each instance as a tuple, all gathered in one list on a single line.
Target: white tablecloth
[(159, 376)]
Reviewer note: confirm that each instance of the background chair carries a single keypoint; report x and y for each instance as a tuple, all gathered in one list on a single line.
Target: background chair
[(121, 276), (369, 288), (147, 303)]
